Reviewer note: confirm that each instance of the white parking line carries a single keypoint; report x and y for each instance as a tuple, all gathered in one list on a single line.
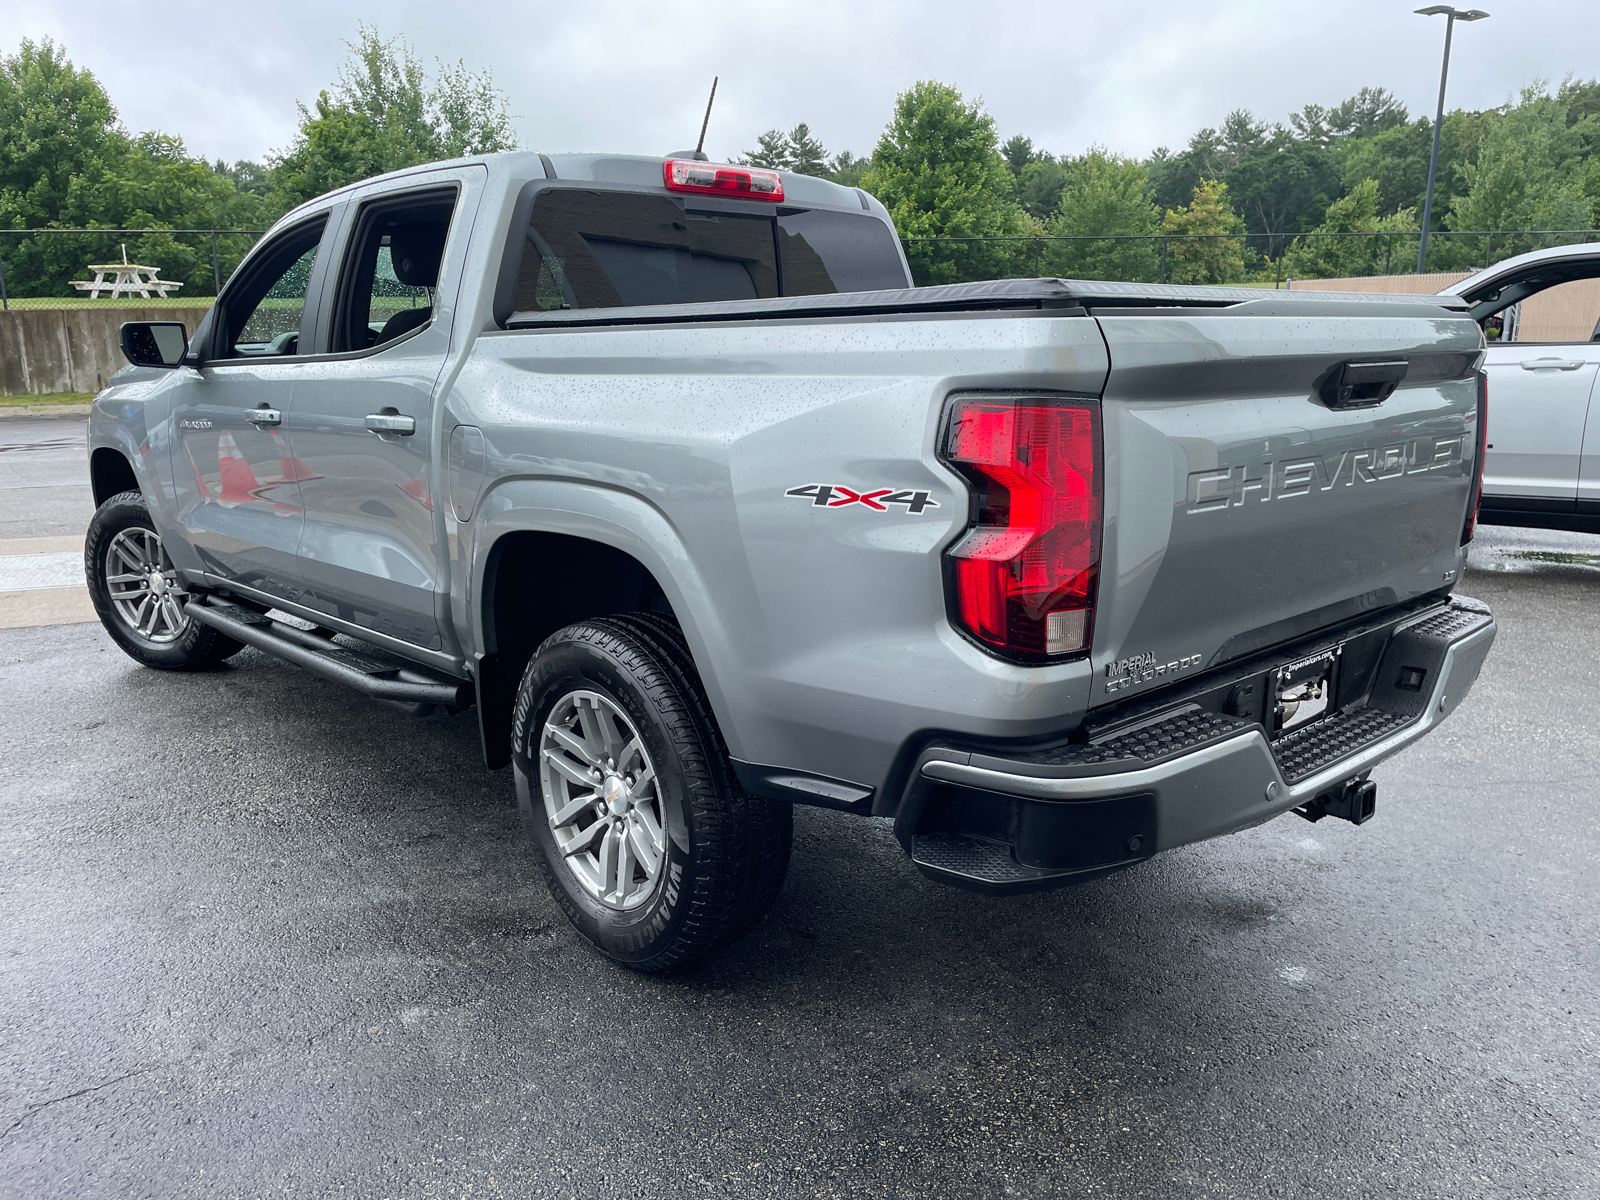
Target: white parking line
[(41, 583), (25, 572)]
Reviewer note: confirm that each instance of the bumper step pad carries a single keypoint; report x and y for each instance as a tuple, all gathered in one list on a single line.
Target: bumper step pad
[(1306, 751), (970, 858), (1182, 733)]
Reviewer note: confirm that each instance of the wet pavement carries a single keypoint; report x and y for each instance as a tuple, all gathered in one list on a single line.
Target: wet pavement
[(259, 936)]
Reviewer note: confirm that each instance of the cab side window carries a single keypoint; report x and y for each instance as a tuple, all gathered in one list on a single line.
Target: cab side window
[(391, 269), (263, 311)]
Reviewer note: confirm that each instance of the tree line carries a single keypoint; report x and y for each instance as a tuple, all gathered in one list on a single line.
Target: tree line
[(1233, 204), (67, 162), (1228, 207)]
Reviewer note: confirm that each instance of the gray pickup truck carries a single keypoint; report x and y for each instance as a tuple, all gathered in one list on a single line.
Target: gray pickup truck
[(666, 469)]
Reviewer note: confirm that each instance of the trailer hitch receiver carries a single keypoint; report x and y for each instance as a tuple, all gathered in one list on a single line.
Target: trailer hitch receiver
[(1356, 802)]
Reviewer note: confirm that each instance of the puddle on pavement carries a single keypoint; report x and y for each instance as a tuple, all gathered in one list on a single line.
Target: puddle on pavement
[(1508, 560)]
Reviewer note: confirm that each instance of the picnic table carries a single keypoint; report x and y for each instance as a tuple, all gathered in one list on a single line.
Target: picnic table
[(127, 279)]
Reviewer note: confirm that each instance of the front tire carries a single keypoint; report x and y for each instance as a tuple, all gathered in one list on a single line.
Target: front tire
[(139, 595), (643, 835)]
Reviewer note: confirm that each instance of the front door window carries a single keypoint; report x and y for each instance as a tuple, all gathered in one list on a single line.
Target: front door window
[(274, 326), (236, 482)]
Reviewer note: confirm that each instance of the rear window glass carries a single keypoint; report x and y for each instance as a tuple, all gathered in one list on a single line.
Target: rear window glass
[(825, 252), (585, 249), (616, 249)]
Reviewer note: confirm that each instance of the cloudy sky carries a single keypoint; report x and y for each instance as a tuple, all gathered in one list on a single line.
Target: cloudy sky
[(632, 77)]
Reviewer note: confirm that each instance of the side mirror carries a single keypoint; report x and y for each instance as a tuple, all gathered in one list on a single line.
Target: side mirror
[(154, 343)]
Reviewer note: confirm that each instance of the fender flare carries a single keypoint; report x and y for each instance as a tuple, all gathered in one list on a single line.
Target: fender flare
[(626, 522)]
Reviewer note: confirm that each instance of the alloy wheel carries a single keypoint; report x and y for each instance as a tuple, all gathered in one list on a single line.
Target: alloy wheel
[(145, 590), (602, 799)]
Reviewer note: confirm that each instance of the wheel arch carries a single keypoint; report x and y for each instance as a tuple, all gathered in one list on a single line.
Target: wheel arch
[(110, 474), (606, 552)]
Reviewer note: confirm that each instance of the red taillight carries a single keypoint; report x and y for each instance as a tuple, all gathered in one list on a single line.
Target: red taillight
[(1469, 526), (720, 179), (1024, 575)]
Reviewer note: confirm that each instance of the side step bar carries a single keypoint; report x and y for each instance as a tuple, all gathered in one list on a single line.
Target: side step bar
[(378, 677)]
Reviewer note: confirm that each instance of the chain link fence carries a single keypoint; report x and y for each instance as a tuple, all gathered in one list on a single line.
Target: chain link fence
[(1221, 258), (39, 266)]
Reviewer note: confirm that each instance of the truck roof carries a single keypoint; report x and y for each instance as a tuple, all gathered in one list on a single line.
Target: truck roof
[(634, 170)]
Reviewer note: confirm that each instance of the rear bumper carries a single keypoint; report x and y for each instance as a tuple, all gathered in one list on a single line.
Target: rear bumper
[(997, 823)]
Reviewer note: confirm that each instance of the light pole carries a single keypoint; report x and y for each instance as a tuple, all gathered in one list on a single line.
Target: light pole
[(1451, 15)]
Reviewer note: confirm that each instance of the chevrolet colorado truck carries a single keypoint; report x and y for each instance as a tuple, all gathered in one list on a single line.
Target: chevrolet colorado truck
[(666, 470)]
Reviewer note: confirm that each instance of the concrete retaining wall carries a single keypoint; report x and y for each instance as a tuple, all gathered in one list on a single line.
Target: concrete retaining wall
[(44, 350)]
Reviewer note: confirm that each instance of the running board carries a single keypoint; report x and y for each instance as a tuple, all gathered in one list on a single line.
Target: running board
[(371, 674)]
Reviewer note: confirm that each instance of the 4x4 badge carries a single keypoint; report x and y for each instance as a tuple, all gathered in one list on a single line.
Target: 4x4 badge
[(835, 495)]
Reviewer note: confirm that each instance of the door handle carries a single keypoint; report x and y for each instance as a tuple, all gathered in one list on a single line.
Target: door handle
[(389, 421), (264, 416), (1552, 364)]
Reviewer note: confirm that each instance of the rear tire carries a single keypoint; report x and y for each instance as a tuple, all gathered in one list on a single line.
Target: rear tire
[(139, 596), (770, 823), (613, 746)]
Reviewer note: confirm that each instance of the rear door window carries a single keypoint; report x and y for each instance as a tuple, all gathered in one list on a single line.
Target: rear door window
[(593, 249)]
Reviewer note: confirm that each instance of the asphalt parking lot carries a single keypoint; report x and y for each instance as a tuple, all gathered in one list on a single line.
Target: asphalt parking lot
[(261, 937)]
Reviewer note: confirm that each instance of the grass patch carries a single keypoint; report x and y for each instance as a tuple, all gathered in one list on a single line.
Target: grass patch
[(20, 303), (45, 401)]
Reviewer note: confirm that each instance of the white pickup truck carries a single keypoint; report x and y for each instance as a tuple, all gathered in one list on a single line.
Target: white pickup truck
[(665, 468), (1541, 466)]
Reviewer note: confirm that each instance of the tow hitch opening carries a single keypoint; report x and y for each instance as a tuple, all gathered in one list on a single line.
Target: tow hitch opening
[(1356, 802)]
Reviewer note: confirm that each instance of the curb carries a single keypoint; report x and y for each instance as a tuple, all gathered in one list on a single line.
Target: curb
[(48, 410)]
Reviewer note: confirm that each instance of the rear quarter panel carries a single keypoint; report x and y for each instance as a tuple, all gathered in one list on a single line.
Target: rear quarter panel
[(820, 631)]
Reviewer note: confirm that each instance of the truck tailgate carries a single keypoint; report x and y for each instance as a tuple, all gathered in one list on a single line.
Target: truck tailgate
[(1242, 510)]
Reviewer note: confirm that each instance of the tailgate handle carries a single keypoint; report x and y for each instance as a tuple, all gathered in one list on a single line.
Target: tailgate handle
[(1362, 384)]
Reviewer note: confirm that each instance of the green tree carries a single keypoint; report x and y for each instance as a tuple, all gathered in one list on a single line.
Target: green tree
[(771, 153), (57, 127), (807, 156), (1018, 153), (469, 113), (1105, 194), (1210, 154), (1529, 174), (65, 162), (1591, 190), (1039, 187), (798, 151), (1336, 257), (1370, 111), (1206, 239), (1283, 185), (248, 177), (384, 115), (847, 169), (1397, 160), (937, 169)]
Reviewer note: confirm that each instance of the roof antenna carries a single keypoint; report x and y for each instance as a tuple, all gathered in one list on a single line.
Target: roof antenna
[(700, 146), (698, 154)]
